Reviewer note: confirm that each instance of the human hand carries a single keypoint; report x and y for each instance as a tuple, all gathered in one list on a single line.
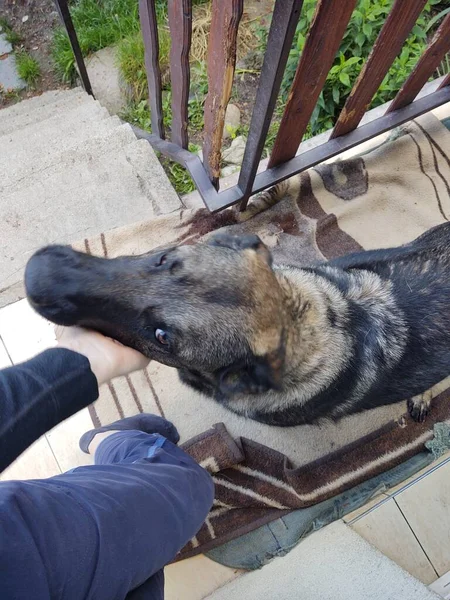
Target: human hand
[(108, 358)]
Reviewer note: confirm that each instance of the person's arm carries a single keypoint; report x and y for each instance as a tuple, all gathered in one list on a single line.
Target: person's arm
[(40, 393)]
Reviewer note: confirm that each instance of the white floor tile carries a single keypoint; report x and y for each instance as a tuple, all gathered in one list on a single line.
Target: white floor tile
[(418, 476), (386, 529), (5, 361), (37, 462), (63, 440), (196, 578), (24, 332), (426, 506), (442, 586)]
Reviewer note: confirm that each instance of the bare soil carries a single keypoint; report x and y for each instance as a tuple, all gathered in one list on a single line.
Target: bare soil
[(36, 34)]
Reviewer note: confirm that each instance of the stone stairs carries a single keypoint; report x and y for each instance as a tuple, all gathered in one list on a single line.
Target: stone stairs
[(69, 170)]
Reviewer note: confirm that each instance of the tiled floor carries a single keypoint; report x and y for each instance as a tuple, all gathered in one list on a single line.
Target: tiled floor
[(410, 524)]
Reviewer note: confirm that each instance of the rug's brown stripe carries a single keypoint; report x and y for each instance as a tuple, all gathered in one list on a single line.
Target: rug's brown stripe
[(434, 145), (94, 416), (103, 241), (433, 142), (134, 394), (436, 167), (331, 240), (155, 395), (116, 399)]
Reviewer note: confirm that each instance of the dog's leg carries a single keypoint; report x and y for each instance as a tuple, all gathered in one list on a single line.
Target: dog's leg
[(419, 406)]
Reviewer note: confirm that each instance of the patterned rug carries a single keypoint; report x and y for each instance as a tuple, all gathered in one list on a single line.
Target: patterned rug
[(384, 197)]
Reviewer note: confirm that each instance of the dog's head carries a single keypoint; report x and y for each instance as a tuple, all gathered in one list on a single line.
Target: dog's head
[(213, 310)]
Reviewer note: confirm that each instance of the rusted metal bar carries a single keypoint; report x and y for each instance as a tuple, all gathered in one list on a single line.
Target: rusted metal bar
[(226, 15), (388, 45), (333, 147), (425, 67), (64, 14), (282, 30), (186, 159), (149, 27), (322, 43), (215, 201), (180, 24)]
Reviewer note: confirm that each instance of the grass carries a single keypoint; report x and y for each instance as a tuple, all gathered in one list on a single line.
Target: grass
[(11, 36), (178, 176), (28, 68), (444, 67), (130, 58), (98, 24), (105, 23)]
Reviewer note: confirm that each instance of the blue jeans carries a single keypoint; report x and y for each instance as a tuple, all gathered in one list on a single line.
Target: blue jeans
[(104, 531)]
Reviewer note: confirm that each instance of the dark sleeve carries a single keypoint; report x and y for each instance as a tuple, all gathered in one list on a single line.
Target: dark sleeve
[(40, 393)]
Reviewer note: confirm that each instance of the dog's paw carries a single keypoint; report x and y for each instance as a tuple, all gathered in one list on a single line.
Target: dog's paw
[(419, 406)]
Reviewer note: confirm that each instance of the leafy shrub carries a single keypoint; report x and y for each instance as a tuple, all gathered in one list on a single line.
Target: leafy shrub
[(358, 40)]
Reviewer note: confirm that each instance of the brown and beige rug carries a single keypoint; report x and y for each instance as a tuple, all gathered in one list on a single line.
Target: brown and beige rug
[(385, 197)]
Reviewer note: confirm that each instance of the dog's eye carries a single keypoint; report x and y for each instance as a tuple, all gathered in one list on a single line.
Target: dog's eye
[(162, 260), (162, 336)]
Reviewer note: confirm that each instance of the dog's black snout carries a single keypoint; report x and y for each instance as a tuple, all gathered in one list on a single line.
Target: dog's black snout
[(49, 281)]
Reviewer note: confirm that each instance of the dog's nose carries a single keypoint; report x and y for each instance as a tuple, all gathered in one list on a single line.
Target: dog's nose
[(49, 281)]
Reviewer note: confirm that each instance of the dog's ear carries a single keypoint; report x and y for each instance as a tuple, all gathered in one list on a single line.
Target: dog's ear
[(259, 375), (242, 242)]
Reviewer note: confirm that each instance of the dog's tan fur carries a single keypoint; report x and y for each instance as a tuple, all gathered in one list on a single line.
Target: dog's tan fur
[(283, 345)]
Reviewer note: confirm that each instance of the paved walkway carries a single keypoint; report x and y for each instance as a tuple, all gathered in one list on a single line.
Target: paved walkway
[(9, 79)]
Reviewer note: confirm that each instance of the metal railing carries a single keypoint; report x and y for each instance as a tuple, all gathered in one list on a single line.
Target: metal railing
[(322, 43)]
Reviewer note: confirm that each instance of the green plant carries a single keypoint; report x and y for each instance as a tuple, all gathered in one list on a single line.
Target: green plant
[(131, 61), (444, 67), (434, 20), (8, 93), (358, 40), (101, 23), (178, 176), (11, 36), (28, 68), (98, 24), (232, 131)]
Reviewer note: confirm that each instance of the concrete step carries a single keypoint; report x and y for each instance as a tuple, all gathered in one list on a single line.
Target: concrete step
[(103, 136), (331, 564), (58, 127), (79, 197), (152, 177), (43, 113), (45, 99)]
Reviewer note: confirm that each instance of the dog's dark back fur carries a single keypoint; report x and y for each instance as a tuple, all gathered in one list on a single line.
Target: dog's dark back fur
[(282, 345)]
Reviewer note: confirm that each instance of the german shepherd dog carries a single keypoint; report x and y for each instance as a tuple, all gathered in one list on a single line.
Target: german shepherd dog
[(279, 344)]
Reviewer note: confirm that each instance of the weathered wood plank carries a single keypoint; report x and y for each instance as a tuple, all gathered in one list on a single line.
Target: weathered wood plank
[(226, 15), (180, 24), (149, 29), (281, 34), (321, 45), (425, 67), (388, 45)]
